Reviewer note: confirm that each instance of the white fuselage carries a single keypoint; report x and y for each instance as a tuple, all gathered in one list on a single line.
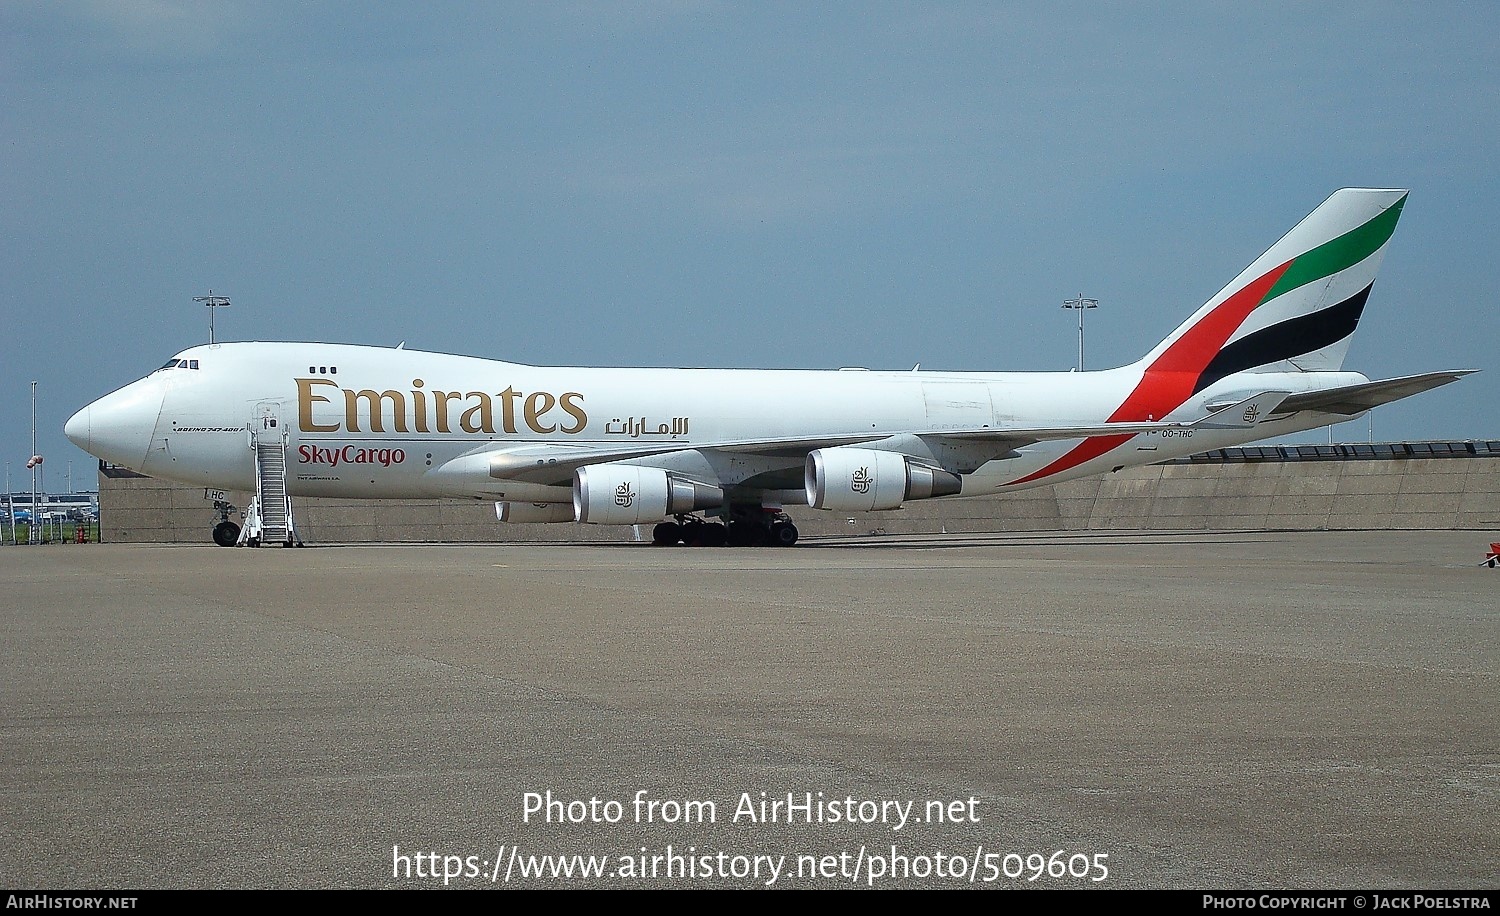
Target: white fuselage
[(376, 423)]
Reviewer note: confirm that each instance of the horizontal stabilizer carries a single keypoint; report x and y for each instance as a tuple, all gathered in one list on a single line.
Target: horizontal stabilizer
[(1356, 399), (1246, 413)]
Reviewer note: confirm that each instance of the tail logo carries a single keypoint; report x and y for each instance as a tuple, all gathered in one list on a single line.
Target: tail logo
[(1201, 353)]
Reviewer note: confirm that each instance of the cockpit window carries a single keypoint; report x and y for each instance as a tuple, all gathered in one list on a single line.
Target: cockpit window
[(175, 363)]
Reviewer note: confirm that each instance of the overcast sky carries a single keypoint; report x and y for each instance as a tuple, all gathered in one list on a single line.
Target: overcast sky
[(724, 184)]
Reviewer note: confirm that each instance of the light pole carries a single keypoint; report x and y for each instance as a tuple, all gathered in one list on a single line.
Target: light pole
[(213, 302), (1081, 305), (31, 530)]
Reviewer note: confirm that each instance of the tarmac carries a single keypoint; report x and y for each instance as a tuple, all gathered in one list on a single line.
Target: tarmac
[(1124, 709)]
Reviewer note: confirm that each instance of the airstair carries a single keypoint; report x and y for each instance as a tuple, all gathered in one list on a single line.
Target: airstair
[(268, 519)]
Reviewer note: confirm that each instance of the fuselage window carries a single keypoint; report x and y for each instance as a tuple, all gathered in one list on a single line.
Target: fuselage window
[(192, 364)]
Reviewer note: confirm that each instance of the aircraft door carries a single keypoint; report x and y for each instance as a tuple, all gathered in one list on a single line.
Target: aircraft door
[(265, 425)]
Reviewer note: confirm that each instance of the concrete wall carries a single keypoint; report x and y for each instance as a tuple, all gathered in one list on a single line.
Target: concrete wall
[(1400, 493), (1414, 493)]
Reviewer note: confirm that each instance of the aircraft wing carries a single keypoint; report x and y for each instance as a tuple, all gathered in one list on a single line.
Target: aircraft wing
[(1355, 399), (554, 464)]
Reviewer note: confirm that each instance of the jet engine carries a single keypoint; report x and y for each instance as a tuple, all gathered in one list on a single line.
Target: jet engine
[(863, 480), (534, 512), (624, 494)]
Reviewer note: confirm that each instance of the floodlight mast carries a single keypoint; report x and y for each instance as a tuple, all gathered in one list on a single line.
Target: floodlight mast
[(32, 529), (1081, 305), (213, 302)]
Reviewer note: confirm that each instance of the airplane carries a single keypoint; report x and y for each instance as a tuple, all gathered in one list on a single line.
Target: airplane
[(713, 456)]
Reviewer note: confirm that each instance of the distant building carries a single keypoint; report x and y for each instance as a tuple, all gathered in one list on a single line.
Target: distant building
[(83, 506)]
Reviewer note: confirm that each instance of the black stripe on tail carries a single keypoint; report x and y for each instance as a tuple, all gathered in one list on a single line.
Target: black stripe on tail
[(1286, 340)]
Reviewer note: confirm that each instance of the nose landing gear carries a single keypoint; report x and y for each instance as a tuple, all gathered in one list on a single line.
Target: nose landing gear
[(226, 533)]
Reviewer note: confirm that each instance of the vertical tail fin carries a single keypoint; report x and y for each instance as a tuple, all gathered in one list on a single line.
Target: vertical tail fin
[(1297, 306), (1294, 309)]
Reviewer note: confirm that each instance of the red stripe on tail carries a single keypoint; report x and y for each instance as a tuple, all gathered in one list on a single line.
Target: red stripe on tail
[(1171, 378)]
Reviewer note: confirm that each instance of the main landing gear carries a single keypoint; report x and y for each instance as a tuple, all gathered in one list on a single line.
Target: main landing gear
[(743, 530)]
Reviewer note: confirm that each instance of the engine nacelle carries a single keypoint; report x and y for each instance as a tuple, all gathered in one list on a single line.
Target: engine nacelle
[(864, 479), (517, 513), (624, 494)]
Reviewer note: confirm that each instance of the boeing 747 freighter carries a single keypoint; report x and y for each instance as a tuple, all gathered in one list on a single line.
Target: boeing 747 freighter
[(712, 456)]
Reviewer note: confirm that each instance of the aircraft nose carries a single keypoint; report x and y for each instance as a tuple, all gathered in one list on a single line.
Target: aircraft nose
[(118, 426), (77, 429)]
